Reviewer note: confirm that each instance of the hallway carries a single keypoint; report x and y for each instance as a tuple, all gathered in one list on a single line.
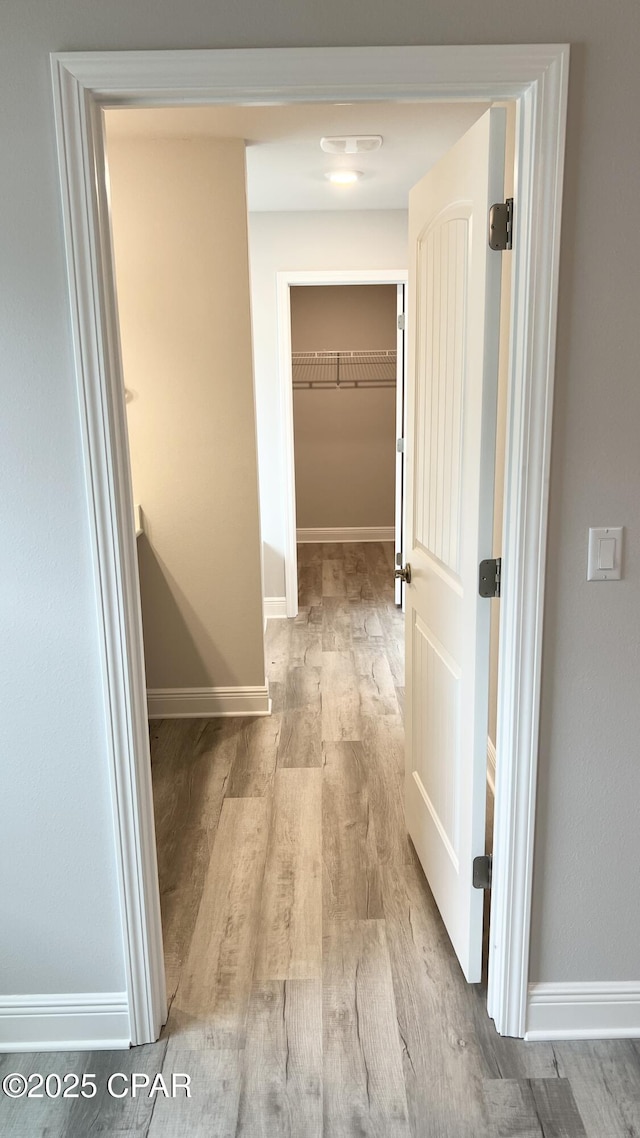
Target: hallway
[(313, 990), (315, 981)]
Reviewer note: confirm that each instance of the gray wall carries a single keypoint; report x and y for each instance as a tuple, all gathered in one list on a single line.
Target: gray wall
[(345, 454), (55, 823)]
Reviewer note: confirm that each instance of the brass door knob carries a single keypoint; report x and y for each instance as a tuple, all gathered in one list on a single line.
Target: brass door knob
[(404, 573)]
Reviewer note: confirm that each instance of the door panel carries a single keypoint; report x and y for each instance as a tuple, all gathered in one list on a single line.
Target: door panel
[(454, 312), (442, 271), (401, 365)]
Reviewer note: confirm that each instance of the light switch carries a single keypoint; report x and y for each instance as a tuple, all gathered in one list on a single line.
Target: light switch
[(605, 554)]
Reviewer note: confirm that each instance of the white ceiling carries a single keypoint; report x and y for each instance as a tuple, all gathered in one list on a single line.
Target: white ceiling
[(285, 166)]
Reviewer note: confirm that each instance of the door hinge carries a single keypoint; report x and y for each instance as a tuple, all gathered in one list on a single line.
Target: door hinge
[(501, 225), (490, 577), (400, 446), (401, 322), (482, 872)]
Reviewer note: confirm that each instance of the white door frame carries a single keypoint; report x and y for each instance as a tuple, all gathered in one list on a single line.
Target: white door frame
[(284, 282), (536, 77)]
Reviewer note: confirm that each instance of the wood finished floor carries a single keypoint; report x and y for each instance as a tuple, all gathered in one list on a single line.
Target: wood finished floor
[(313, 990)]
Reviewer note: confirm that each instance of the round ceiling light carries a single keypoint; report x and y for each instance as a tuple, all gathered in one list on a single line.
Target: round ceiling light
[(344, 177)]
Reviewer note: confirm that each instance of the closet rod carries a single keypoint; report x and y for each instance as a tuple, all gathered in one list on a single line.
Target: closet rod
[(340, 368)]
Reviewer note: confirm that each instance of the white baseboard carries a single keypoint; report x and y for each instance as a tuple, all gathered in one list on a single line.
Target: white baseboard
[(584, 1011), (362, 533), (207, 703), (79, 1022), (274, 607), (491, 766)]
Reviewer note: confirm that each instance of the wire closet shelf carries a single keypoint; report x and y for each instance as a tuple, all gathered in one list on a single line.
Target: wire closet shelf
[(329, 369)]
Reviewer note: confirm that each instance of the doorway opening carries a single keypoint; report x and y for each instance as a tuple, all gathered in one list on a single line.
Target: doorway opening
[(536, 78), (345, 377), (358, 512), (343, 361)]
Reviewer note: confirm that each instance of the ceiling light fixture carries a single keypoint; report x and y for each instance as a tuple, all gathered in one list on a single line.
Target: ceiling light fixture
[(344, 177)]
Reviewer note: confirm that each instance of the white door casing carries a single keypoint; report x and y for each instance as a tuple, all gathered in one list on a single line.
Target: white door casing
[(454, 297), (536, 77)]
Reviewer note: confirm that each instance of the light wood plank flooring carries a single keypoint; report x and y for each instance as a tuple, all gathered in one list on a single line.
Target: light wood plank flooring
[(313, 990)]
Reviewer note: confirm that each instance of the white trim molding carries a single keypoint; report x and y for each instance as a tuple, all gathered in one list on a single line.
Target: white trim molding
[(491, 766), (541, 113), (207, 703), (584, 1011), (274, 607), (346, 534), (536, 77), (85, 1021)]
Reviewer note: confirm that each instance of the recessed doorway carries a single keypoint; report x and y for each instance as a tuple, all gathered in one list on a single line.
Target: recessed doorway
[(540, 90)]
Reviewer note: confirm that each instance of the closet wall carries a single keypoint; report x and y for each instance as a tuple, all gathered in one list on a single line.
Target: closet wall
[(344, 436)]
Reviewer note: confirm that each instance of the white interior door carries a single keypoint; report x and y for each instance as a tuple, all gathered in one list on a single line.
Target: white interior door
[(401, 364), (453, 335)]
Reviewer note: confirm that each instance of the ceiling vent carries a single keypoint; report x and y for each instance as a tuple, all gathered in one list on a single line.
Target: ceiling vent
[(351, 143)]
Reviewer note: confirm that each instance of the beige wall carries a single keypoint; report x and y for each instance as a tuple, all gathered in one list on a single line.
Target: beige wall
[(180, 241), (344, 439), (343, 317)]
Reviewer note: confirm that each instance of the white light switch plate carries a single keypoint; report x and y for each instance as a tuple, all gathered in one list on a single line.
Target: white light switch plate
[(605, 554)]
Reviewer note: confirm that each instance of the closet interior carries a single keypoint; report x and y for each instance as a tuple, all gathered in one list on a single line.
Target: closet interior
[(344, 365)]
